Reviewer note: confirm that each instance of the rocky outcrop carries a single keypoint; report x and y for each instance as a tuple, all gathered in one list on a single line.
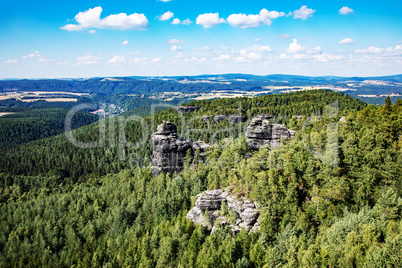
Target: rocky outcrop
[(261, 132), (219, 117), (186, 109), (236, 119), (169, 150), (217, 208)]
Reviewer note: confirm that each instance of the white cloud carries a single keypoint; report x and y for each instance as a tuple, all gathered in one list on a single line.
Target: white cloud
[(324, 57), (315, 50), (257, 40), (254, 56), (155, 60), (176, 48), (262, 49), (43, 60), (11, 61), (139, 61), (186, 22), (371, 49), (303, 13), (225, 47), (206, 48), (284, 36), (125, 43), (195, 60), (345, 11), (175, 41), (209, 20), (89, 59), (165, 0), (166, 16), (36, 54), (249, 21), (176, 21), (346, 41), (121, 21), (117, 59), (283, 56), (295, 47), (92, 32), (222, 57)]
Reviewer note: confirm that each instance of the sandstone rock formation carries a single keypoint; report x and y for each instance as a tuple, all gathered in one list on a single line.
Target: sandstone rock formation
[(236, 119), (169, 150), (187, 109), (219, 117), (209, 212), (261, 132)]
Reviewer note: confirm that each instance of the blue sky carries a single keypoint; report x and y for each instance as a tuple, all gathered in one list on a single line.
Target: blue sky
[(56, 39)]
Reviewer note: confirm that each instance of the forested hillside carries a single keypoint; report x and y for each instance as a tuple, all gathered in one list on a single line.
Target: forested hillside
[(314, 213), (25, 125), (58, 153)]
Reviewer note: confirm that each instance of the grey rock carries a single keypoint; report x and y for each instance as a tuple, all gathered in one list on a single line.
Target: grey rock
[(206, 118), (187, 109), (261, 132), (246, 212), (343, 119), (169, 150), (219, 118), (236, 119)]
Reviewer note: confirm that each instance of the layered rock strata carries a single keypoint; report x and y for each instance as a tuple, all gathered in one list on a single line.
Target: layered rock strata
[(169, 150), (218, 208), (261, 132), (187, 109)]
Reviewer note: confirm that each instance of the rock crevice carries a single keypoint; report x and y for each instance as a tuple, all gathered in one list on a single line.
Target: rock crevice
[(217, 208)]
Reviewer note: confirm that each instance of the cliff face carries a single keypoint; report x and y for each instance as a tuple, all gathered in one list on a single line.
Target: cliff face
[(238, 212), (169, 150), (187, 109), (261, 132)]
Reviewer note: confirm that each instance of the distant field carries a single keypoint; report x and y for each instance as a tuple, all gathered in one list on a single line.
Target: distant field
[(52, 100), (30, 96), (1, 114)]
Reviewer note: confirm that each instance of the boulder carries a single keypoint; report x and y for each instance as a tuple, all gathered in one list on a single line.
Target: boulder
[(220, 117), (236, 119), (261, 132), (186, 109), (245, 211)]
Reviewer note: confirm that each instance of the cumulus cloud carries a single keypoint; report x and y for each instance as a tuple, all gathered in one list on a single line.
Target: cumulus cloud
[(176, 21), (371, 49), (139, 61), (176, 48), (86, 60), (91, 19), (166, 16), (36, 54), (345, 11), (175, 41), (249, 21), (262, 49), (186, 22), (222, 57), (284, 36), (11, 61), (346, 41), (155, 60), (92, 32), (209, 20), (117, 59), (125, 43), (303, 13), (295, 47), (315, 50)]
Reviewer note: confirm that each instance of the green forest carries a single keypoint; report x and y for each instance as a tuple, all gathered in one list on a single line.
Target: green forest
[(64, 206)]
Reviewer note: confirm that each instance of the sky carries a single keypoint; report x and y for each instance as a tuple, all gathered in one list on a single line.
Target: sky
[(86, 38)]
